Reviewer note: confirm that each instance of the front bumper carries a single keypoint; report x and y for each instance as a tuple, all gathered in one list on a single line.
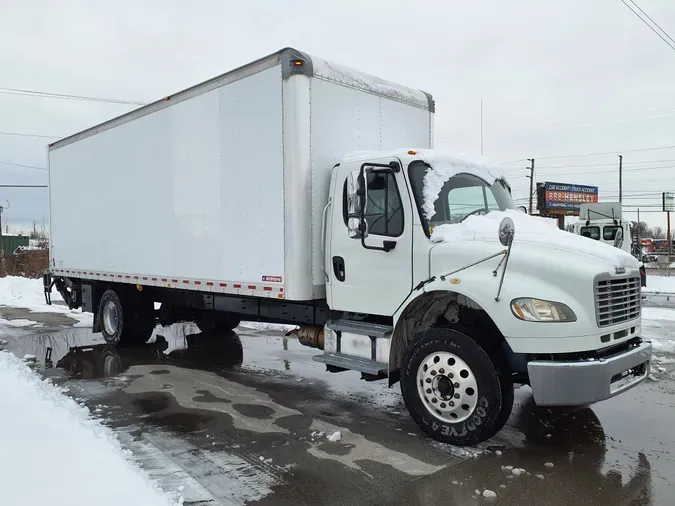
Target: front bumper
[(583, 382)]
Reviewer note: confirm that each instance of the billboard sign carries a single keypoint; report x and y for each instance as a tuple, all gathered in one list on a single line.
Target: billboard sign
[(668, 201), (564, 198)]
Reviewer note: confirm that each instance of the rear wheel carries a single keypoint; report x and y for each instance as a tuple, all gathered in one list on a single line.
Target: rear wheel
[(126, 318), (452, 389)]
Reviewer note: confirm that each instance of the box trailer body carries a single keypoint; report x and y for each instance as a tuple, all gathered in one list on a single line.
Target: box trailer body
[(296, 191), (221, 187)]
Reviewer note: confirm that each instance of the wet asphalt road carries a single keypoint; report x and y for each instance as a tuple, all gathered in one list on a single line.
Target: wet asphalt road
[(243, 418)]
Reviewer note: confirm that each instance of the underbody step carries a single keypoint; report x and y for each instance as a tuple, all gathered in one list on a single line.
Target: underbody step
[(362, 328), (352, 363)]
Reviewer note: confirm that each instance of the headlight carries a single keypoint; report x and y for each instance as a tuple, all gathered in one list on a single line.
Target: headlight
[(536, 310)]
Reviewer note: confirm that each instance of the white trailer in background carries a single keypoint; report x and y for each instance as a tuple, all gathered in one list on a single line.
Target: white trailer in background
[(278, 192)]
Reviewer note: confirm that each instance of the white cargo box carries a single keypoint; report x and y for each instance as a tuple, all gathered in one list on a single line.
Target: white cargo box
[(221, 187)]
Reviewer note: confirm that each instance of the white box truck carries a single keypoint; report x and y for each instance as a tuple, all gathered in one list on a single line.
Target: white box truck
[(278, 193), (603, 221)]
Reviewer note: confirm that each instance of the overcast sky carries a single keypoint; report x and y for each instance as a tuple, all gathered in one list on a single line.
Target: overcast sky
[(557, 78)]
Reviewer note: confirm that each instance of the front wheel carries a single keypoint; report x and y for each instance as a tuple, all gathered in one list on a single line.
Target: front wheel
[(452, 388)]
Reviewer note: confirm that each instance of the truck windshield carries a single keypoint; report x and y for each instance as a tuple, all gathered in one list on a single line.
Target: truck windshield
[(592, 232), (462, 196)]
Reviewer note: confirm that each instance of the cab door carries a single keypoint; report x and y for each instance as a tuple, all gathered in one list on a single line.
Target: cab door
[(371, 275)]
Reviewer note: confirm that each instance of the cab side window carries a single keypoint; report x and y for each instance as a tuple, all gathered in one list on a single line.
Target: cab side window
[(384, 212)]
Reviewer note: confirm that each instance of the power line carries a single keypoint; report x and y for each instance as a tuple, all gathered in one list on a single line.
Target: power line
[(44, 94), (19, 134), (670, 45), (599, 164), (593, 154), (23, 186), (655, 23), (565, 125), (23, 166)]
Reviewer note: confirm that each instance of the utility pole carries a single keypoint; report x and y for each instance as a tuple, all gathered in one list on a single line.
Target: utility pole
[(2, 249), (620, 177), (531, 176), (481, 127), (638, 239)]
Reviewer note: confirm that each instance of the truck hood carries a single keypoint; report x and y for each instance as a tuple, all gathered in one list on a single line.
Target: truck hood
[(536, 232)]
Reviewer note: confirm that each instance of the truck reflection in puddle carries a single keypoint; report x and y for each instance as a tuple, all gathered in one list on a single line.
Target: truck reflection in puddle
[(210, 350)]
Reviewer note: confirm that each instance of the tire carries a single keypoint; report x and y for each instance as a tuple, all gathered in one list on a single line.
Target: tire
[(126, 320), (111, 316), (438, 356)]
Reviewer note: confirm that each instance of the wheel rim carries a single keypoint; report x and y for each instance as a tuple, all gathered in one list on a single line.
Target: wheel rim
[(447, 387), (110, 320)]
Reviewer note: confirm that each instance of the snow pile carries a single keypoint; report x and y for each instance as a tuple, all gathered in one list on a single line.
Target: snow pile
[(444, 166), (531, 230), (29, 293), (335, 437), (660, 284), (19, 322), (271, 327), (39, 424)]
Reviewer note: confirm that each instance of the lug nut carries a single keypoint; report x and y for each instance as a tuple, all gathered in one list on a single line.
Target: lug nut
[(456, 396), (456, 385), (441, 371)]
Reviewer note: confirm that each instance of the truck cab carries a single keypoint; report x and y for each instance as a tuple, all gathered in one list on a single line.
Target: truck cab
[(602, 221), (442, 284)]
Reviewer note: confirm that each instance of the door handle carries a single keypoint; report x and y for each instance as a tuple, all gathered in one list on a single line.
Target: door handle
[(339, 268), (323, 238)]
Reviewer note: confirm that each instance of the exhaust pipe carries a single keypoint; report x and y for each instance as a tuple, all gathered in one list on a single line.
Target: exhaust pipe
[(308, 336)]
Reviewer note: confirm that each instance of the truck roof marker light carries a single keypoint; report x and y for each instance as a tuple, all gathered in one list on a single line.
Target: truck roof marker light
[(411, 152), (298, 63)]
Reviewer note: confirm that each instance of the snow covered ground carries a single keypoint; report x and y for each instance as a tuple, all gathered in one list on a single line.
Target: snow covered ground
[(51, 447), (660, 284), (28, 293)]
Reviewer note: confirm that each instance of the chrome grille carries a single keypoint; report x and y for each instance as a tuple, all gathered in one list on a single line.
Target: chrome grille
[(617, 299)]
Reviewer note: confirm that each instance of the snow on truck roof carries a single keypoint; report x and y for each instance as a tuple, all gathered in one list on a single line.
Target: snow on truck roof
[(443, 166), (292, 62)]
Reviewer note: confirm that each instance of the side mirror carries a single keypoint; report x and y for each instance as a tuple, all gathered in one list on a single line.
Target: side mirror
[(618, 238), (522, 209), (506, 231), (357, 201)]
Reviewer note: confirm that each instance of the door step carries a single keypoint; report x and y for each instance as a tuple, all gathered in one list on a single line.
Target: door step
[(352, 363), (361, 328)]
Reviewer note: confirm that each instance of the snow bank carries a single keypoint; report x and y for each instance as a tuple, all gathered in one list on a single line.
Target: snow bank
[(532, 230), (29, 293), (54, 453), (660, 284), (444, 166)]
